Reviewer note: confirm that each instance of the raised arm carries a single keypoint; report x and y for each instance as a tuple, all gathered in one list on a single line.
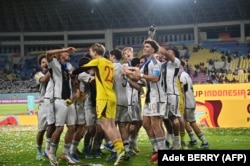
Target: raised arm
[(163, 51), (51, 53), (45, 78)]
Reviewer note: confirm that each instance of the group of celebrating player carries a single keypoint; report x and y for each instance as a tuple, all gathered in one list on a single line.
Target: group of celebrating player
[(101, 101)]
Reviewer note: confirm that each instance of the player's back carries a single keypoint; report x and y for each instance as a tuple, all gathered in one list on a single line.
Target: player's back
[(119, 87), (172, 70), (104, 78), (106, 71), (188, 90)]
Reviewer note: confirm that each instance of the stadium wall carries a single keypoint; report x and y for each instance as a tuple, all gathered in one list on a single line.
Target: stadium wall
[(18, 96)]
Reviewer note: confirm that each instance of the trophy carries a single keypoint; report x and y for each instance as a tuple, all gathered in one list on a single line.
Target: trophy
[(151, 31)]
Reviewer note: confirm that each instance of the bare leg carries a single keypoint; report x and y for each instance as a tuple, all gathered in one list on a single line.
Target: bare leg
[(156, 123), (80, 130), (110, 130), (176, 129), (39, 140)]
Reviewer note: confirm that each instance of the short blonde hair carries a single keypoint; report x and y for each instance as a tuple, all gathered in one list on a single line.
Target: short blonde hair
[(127, 48), (99, 48)]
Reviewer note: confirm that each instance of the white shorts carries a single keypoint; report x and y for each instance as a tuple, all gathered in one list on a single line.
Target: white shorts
[(135, 112), (172, 106), (42, 116), (50, 111), (64, 114), (122, 114), (154, 109), (90, 113), (189, 115), (80, 114)]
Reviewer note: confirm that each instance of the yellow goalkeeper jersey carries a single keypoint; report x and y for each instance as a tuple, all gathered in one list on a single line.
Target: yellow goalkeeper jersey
[(104, 77)]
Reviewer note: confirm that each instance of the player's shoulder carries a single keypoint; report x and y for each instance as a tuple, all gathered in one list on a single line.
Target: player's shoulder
[(103, 60), (38, 75), (104, 63), (177, 61), (82, 74), (154, 63), (184, 73), (108, 62)]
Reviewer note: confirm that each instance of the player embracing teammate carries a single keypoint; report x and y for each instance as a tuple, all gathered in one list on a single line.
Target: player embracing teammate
[(163, 83)]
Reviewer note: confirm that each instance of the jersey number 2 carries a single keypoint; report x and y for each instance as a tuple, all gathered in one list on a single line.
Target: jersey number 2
[(109, 76)]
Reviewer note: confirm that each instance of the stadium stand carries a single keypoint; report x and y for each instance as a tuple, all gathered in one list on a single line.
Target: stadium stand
[(220, 63), (210, 60), (205, 65), (18, 77)]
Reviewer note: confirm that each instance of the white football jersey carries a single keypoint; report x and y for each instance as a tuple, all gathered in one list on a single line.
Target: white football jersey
[(172, 70), (155, 90), (119, 88), (188, 90), (57, 76), (42, 86)]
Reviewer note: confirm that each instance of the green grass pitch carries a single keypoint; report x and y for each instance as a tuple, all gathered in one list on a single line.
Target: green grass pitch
[(9, 109)]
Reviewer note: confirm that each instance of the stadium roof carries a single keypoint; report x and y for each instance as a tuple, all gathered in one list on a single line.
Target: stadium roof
[(60, 15)]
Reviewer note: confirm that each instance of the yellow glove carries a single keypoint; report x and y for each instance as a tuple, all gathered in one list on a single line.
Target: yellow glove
[(69, 102)]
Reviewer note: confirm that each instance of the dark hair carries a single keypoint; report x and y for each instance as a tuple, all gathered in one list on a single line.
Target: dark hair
[(40, 57), (183, 63), (153, 44), (135, 61), (176, 52), (83, 61), (87, 55), (117, 53), (106, 54), (143, 57)]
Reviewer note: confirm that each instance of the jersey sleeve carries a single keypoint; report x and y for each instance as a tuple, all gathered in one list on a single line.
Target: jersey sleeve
[(177, 62), (156, 70), (84, 77), (182, 79), (92, 63), (37, 77), (70, 67)]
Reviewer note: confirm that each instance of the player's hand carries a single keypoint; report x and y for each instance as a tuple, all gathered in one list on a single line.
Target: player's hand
[(92, 78), (130, 70), (71, 49), (69, 102), (151, 31), (162, 50)]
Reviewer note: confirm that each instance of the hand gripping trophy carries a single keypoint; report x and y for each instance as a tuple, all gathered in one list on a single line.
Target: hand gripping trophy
[(151, 31)]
